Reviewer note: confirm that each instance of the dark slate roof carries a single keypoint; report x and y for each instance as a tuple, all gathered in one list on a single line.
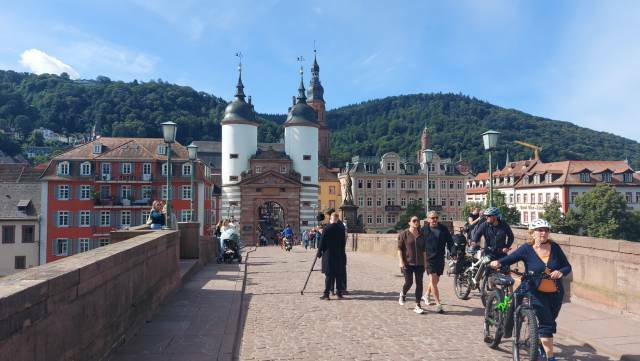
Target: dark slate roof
[(14, 194), (239, 111)]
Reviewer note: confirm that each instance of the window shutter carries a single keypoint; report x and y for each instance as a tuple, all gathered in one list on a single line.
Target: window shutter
[(76, 249), (56, 192), (55, 219), (93, 243), (68, 246), (71, 219), (54, 247)]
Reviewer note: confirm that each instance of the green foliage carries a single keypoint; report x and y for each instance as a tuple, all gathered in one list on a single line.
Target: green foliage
[(413, 209), (560, 223), (455, 124), (509, 214), (603, 213), (9, 145)]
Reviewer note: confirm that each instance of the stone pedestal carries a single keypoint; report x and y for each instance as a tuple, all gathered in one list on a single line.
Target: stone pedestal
[(350, 217)]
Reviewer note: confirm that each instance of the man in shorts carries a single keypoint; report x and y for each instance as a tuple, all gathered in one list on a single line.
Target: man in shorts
[(437, 239)]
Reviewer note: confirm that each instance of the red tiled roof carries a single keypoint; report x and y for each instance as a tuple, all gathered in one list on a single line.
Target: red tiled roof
[(123, 149), (570, 172)]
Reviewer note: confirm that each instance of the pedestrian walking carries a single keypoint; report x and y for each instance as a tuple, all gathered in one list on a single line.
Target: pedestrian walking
[(412, 257), (437, 240), (330, 249)]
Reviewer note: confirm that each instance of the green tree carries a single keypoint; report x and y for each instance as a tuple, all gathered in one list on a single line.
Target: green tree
[(562, 223), (413, 209), (509, 214), (36, 139), (603, 212)]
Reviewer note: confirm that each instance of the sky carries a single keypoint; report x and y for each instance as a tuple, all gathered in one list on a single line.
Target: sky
[(577, 61)]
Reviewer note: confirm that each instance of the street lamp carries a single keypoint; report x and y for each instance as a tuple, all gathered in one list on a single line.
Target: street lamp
[(192, 149), (427, 157), (315, 214), (169, 130), (490, 140)]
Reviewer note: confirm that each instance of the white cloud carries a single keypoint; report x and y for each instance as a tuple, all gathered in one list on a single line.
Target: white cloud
[(98, 55), (40, 62)]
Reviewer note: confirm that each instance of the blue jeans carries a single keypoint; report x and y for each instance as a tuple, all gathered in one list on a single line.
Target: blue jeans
[(155, 226)]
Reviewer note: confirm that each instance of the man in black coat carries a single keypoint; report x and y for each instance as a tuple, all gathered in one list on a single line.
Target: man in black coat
[(331, 250)]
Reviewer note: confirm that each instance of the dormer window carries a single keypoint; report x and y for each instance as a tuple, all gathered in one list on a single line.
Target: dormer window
[(536, 179), (63, 168), (585, 177), (548, 178), (97, 148), (186, 169), (606, 177), (162, 149), (627, 177), (511, 180), (525, 179), (391, 166), (85, 168)]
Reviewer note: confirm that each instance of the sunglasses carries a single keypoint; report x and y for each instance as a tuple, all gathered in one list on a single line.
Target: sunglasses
[(415, 220), (433, 217)]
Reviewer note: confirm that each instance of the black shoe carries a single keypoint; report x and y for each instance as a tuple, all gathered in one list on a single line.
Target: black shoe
[(340, 296), (345, 293), (333, 293), (325, 297)]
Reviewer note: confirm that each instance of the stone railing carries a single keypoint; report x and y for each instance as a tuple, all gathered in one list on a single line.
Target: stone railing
[(606, 272), (80, 307)]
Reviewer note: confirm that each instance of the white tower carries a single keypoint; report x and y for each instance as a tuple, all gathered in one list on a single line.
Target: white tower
[(239, 143), (301, 145)]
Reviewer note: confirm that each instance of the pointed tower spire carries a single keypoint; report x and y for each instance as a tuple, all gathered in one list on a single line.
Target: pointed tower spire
[(240, 86), (302, 98), (315, 91)]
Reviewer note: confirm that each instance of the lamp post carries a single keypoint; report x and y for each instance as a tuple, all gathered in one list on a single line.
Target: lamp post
[(490, 140), (192, 149), (427, 157), (315, 214), (169, 130)]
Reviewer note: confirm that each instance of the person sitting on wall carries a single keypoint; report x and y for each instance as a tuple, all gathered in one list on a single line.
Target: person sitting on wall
[(157, 219)]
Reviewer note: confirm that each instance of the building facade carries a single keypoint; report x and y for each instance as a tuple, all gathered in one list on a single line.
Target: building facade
[(383, 187), (530, 185), (109, 184), (19, 218), (330, 192)]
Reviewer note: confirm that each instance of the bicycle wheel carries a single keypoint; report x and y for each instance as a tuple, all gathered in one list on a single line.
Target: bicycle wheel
[(462, 285), (493, 319), (484, 287), (525, 342)]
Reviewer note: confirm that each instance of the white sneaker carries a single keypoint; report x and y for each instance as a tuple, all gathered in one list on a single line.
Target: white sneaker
[(428, 300), (418, 309), (402, 299), (439, 308)]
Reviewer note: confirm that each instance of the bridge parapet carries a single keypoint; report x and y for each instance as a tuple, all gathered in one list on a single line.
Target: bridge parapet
[(80, 307)]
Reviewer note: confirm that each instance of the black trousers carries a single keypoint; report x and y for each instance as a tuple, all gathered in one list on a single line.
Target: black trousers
[(409, 273), (331, 279)]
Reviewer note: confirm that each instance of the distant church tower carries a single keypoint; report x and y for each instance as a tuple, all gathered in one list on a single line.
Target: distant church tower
[(239, 143), (315, 96)]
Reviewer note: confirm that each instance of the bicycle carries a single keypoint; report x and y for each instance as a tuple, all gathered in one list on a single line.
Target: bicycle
[(475, 276), (509, 313)]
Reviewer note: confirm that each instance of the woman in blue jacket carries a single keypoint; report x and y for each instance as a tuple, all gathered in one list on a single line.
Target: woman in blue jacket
[(540, 255)]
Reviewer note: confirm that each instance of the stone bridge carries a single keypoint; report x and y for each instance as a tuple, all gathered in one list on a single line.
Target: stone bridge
[(137, 299)]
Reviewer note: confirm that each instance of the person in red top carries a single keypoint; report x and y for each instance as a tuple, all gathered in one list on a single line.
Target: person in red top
[(412, 256)]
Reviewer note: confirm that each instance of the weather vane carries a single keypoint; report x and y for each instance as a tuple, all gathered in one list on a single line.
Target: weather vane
[(239, 55), (301, 60)]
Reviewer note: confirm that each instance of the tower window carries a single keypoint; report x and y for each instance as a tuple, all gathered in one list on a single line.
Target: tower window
[(306, 179), (233, 156), (306, 157), (233, 178)]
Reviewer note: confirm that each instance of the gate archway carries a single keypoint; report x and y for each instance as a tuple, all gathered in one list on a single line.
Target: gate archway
[(271, 219)]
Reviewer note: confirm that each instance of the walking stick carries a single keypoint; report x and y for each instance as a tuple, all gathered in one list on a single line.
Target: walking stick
[(309, 275)]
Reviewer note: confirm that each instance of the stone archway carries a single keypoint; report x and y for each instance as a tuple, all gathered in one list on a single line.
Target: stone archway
[(270, 219)]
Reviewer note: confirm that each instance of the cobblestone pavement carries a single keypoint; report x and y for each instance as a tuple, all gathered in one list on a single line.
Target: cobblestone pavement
[(369, 324)]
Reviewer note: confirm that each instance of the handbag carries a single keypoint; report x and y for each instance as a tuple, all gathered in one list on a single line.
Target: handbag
[(548, 285)]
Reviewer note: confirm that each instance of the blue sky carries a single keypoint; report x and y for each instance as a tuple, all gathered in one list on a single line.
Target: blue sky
[(577, 61)]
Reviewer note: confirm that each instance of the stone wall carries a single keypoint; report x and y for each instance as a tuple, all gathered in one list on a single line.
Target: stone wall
[(80, 307), (606, 272)]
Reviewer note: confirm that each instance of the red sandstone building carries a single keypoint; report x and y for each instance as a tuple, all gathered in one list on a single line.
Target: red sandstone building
[(109, 184)]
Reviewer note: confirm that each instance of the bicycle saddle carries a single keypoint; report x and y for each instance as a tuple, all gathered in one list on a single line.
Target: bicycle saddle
[(502, 280)]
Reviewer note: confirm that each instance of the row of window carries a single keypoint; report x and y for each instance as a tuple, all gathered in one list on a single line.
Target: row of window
[(410, 184), (525, 198), (627, 195), (64, 169), (9, 234), (68, 247), (391, 201), (391, 219), (126, 218), (84, 192), (585, 177)]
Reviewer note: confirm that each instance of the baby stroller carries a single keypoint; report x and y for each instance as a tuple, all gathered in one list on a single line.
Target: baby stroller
[(229, 248)]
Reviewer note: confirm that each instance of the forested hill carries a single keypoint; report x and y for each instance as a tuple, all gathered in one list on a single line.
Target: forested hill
[(456, 123), (29, 101)]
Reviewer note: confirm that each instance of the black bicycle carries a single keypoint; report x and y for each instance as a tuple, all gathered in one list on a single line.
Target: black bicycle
[(508, 314), (473, 275)]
